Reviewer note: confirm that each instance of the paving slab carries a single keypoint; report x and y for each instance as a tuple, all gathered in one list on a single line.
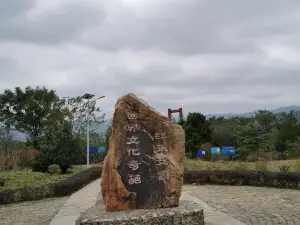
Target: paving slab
[(32, 212), (251, 205), (212, 216), (77, 203)]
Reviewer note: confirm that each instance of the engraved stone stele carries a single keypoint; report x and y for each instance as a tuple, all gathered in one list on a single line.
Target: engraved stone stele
[(144, 167)]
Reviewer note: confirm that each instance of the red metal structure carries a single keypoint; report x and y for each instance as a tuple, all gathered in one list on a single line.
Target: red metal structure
[(170, 111)]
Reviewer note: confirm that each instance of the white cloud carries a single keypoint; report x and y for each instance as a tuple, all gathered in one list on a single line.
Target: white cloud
[(206, 56)]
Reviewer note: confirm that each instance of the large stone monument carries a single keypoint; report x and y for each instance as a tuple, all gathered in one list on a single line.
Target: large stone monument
[(143, 170), (144, 165)]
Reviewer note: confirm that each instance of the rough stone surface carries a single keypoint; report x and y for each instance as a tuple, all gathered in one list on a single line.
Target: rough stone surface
[(251, 205), (188, 213), (144, 165)]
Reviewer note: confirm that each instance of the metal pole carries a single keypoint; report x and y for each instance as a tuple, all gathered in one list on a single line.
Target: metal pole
[(88, 97), (88, 137)]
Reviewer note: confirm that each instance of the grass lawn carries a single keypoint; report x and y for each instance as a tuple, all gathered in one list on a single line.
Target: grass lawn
[(19, 179), (274, 166)]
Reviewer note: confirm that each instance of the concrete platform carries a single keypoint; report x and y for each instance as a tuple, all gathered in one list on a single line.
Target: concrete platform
[(188, 213)]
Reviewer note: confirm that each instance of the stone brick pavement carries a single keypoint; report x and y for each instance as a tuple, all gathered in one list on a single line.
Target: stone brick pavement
[(31, 213), (251, 205)]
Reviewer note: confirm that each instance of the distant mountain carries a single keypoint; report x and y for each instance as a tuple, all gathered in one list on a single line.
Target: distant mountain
[(249, 114)]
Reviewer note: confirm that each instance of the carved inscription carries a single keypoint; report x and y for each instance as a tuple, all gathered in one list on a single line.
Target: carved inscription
[(161, 148), (131, 128), (146, 162), (133, 165), (132, 116), (134, 179), (133, 149), (161, 162), (133, 140)]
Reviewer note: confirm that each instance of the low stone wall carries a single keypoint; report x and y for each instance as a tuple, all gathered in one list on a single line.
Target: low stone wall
[(252, 178), (187, 213)]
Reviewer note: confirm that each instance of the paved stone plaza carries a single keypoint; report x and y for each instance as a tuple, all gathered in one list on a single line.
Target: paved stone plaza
[(31, 213), (251, 205)]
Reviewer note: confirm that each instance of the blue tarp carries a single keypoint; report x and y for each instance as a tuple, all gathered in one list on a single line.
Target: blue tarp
[(92, 149), (215, 150), (200, 153), (228, 150), (101, 149)]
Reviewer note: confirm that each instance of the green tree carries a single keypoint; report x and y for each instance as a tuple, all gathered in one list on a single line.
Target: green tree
[(29, 110), (266, 120), (58, 146), (5, 138), (80, 112), (222, 136), (288, 126), (107, 136), (248, 141), (97, 139), (222, 131), (197, 131), (293, 148)]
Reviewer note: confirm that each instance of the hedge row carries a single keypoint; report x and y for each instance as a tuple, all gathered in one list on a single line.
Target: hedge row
[(253, 178), (59, 189)]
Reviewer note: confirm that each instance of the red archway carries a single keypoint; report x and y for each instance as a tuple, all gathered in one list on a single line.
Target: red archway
[(170, 111)]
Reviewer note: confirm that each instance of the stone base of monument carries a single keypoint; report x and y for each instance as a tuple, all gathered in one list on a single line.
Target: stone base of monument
[(187, 213)]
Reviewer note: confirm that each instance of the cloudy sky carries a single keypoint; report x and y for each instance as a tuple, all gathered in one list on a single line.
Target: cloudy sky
[(209, 56)]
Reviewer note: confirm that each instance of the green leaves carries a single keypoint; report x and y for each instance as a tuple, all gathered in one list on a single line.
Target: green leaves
[(258, 136), (79, 111), (197, 131), (29, 110), (58, 146)]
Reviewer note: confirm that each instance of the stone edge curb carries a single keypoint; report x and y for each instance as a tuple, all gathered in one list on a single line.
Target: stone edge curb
[(179, 215)]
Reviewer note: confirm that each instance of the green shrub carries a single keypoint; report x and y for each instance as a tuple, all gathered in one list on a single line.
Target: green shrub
[(3, 160), (58, 149), (296, 166), (261, 166), (239, 166), (42, 162), (54, 169), (284, 168), (251, 157)]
